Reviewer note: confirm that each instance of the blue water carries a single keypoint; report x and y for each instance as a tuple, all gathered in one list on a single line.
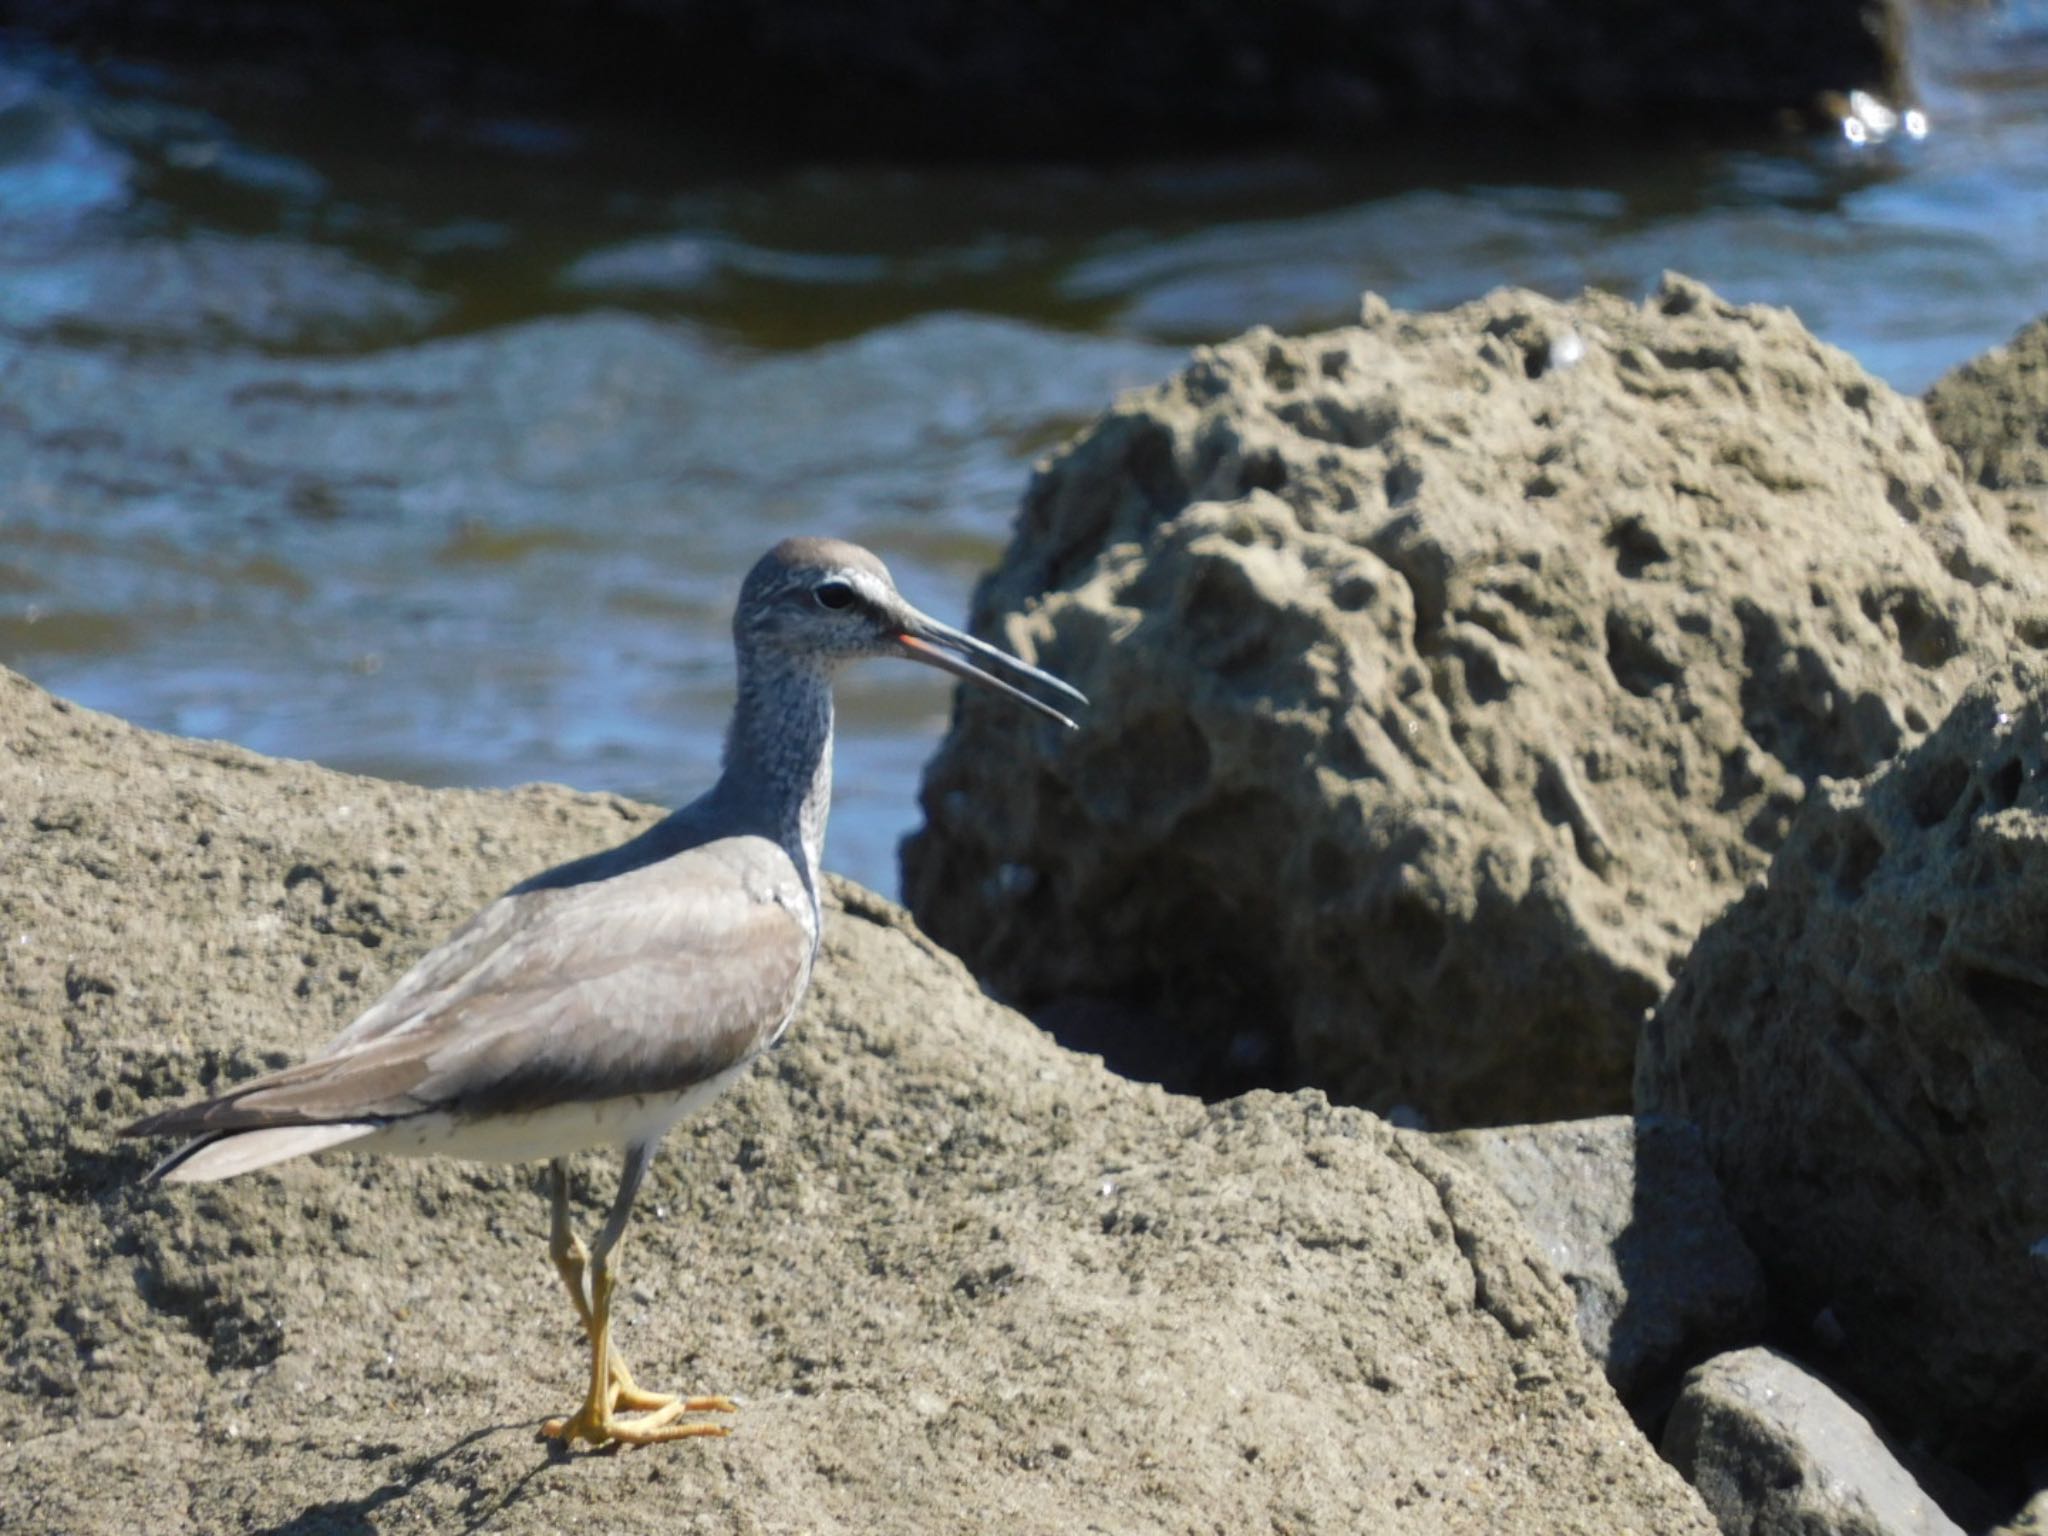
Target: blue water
[(436, 448)]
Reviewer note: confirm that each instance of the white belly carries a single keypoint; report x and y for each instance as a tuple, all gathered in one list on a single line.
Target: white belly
[(544, 1133)]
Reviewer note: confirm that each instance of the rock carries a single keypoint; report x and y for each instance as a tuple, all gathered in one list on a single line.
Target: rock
[(1863, 1042), (2031, 1520), (940, 78), (1993, 411), (1449, 672), (961, 1277), (1776, 1451), (1629, 1214)]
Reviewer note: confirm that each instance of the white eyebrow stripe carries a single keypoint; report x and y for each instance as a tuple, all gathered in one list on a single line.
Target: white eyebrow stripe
[(875, 592)]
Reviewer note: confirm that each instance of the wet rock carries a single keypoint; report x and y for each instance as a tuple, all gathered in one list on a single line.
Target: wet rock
[(1863, 1041), (938, 78), (1776, 1451), (1629, 1214), (959, 1276), (1449, 672), (1993, 411)]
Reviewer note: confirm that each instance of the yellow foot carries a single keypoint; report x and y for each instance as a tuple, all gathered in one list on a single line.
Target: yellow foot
[(658, 1414), (612, 1389), (628, 1398), (650, 1429)]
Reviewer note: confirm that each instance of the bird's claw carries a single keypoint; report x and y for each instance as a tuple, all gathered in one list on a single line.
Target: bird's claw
[(658, 1411), (653, 1428)]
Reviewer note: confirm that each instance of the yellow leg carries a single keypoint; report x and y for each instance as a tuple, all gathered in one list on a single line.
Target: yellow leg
[(612, 1388), (597, 1422), (572, 1263)]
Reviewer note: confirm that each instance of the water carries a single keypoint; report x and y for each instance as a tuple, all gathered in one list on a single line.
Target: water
[(435, 447)]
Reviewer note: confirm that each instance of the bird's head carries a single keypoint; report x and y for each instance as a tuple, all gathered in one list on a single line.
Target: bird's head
[(824, 601)]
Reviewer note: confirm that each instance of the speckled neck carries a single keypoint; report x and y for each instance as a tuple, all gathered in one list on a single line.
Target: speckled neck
[(778, 754)]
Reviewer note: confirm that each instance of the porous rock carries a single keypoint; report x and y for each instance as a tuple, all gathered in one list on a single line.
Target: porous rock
[(1863, 1042), (1993, 411), (1629, 1214), (962, 1279), (1448, 672), (1776, 1451)]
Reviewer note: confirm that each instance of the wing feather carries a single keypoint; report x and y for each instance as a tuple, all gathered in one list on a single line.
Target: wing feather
[(645, 982)]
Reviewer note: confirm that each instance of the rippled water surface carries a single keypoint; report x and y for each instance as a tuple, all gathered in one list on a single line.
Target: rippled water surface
[(435, 447)]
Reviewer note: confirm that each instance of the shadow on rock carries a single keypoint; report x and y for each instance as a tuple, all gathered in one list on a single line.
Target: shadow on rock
[(352, 1517)]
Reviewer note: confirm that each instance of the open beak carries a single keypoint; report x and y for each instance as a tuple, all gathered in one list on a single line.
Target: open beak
[(938, 645)]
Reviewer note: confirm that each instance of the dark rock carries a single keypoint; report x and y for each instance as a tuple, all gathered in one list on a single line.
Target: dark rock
[(1776, 1451), (940, 78), (2031, 1520), (1863, 1041), (1628, 1212)]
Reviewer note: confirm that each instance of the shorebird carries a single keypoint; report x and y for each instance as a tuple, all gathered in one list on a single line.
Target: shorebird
[(601, 1001)]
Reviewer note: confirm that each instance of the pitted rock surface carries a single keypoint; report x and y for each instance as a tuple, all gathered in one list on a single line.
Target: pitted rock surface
[(1449, 672), (1993, 411), (1863, 1042)]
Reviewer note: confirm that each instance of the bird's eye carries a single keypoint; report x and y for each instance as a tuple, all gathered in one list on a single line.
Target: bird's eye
[(833, 594)]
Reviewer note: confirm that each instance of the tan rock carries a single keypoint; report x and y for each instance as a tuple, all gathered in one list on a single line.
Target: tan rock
[(963, 1280), (1993, 411), (1450, 671)]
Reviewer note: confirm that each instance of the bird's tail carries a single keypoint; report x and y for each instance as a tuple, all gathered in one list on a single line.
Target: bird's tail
[(224, 1154)]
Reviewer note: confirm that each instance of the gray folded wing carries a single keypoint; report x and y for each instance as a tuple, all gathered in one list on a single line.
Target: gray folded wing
[(645, 982)]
